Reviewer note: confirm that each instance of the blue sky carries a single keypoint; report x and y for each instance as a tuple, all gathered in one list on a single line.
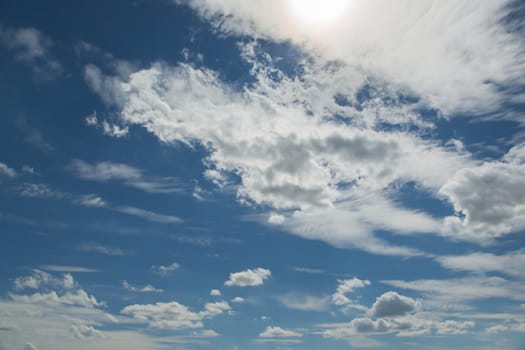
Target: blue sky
[(223, 174)]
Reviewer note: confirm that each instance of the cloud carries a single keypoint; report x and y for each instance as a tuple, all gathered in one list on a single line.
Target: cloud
[(7, 171), (40, 191), (276, 219), (174, 315), (93, 201), (142, 289), (107, 128), (215, 293), (248, 278), (130, 176), (149, 215), (238, 300), (463, 289), (345, 287), (78, 298), (65, 268), (41, 279), (510, 264), (391, 304), (308, 270), (278, 332), (323, 169), (394, 32), (488, 199), (300, 302), (83, 332), (105, 250), (31, 47), (164, 270)]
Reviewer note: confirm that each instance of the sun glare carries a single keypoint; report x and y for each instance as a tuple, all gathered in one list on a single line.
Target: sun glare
[(317, 11)]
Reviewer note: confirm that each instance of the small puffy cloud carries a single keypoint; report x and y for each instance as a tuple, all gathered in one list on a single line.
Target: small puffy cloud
[(238, 300), (345, 287), (41, 279), (141, 289), (165, 269), (7, 171), (33, 190), (300, 302), (391, 304), (453, 327), (248, 278), (83, 332), (278, 332), (276, 219), (215, 293), (205, 333)]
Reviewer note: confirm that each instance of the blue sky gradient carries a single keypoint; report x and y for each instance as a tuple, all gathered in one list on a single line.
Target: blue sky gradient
[(220, 174)]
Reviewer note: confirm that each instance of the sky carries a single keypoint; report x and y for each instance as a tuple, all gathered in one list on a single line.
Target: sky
[(264, 174)]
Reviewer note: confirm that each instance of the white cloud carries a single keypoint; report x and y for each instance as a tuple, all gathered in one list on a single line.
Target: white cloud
[(30, 346), (489, 60), (65, 268), (83, 332), (93, 201), (41, 279), (488, 199), (41, 190), (276, 219), (511, 263), (238, 300), (463, 289), (7, 171), (142, 289), (278, 332), (165, 269), (215, 293), (174, 315), (301, 302), (345, 287), (248, 278), (149, 215), (32, 47), (105, 250), (130, 176), (301, 161), (391, 304), (78, 298)]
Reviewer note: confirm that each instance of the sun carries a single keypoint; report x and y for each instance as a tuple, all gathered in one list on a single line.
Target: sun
[(318, 11)]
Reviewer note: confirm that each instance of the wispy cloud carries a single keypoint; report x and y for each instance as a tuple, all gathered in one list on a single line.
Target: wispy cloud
[(33, 48), (128, 175)]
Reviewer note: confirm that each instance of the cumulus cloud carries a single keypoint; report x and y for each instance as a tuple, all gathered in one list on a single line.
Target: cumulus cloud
[(174, 315), (7, 171), (76, 298), (248, 278), (238, 300), (488, 199), (345, 287), (215, 293), (83, 332), (480, 66), (510, 264), (142, 289), (278, 332), (301, 302), (391, 304)]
